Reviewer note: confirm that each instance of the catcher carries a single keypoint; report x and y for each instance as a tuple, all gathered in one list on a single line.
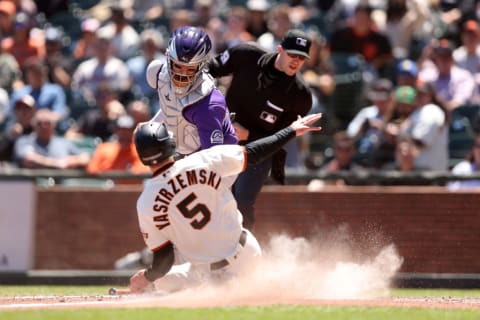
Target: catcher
[(187, 213), (191, 107)]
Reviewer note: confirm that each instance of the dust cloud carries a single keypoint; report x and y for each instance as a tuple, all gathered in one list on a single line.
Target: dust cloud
[(327, 267)]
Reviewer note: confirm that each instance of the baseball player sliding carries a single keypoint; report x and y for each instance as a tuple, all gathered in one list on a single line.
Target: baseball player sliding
[(187, 214), (191, 107)]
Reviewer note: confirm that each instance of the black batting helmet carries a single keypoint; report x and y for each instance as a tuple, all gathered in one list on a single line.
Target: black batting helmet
[(153, 143)]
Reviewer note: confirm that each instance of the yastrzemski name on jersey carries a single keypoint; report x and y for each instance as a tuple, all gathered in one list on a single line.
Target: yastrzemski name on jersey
[(176, 184), (190, 203)]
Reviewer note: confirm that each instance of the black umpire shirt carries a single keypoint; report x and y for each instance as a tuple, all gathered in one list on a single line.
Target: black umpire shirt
[(263, 98)]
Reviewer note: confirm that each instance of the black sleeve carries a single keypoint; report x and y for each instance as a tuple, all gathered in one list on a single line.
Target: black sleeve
[(162, 262), (261, 149), (221, 65), (234, 58)]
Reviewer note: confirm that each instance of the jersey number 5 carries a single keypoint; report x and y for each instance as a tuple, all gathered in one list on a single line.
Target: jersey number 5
[(190, 212)]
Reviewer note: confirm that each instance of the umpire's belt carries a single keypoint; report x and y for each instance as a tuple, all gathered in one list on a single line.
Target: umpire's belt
[(223, 263)]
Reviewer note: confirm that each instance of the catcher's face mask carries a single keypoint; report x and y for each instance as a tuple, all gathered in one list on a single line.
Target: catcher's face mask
[(187, 53)]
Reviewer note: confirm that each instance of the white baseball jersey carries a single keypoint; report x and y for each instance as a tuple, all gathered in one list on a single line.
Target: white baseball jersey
[(190, 204), (171, 106)]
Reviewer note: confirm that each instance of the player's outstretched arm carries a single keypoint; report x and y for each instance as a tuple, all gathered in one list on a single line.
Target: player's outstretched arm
[(259, 150), (304, 124)]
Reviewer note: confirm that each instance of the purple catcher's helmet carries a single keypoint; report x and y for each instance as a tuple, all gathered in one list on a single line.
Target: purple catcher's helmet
[(189, 48)]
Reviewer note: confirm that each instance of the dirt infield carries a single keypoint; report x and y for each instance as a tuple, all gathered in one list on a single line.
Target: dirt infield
[(292, 272), (147, 301)]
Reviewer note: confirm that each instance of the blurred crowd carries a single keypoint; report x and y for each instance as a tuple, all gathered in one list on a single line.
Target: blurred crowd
[(397, 80)]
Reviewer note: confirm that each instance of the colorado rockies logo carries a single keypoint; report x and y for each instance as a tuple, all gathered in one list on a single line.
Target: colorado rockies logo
[(216, 137)]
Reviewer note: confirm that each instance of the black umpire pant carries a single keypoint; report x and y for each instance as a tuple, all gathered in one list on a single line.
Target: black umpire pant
[(247, 187)]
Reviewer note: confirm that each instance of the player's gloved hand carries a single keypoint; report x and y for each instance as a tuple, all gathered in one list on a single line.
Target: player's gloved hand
[(305, 124), (138, 282)]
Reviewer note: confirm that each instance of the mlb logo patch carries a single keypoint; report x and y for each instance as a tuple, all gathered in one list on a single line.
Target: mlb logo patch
[(268, 117), (216, 137), (301, 42), (224, 57)]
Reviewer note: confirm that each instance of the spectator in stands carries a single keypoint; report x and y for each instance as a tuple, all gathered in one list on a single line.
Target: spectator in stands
[(147, 10), (60, 66), (47, 95), (301, 11), (367, 127), (84, 48), (278, 22), (318, 70), (7, 18), (425, 124), (22, 45), (405, 154), (343, 159), (471, 165), (361, 37), (4, 106), (180, 18), (24, 110), (203, 12), (98, 122), (44, 149), (125, 40), (467, 56), (215, 29), (407, 73), (101, 69), (404, 18), (318, 74), (453, 84), (10, 71), (27, 6), (119, 154), (139, 111), (258, 17), (236, 28), (219, 7), (443, 18), (152, 45)]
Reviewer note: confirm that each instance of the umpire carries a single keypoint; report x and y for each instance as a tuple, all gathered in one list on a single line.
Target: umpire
[(266, 93)]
